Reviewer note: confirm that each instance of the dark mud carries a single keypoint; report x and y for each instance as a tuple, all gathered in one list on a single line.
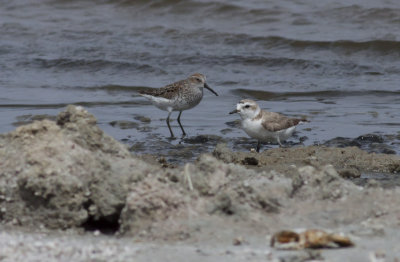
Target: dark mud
[(181, 150), (282, 159), (375, 143)]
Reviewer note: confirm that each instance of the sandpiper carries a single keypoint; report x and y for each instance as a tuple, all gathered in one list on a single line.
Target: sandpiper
[(263, 125), (179, 96)]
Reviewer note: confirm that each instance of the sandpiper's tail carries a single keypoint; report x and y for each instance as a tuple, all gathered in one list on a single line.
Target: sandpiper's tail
[(149, 94), (145, 92)]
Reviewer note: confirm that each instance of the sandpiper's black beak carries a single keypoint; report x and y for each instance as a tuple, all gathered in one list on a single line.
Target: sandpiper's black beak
[(234, 111), (209, 88)]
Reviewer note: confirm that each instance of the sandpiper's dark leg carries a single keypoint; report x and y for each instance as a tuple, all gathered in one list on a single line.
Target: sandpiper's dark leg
[(258, 146), (179, 121), (169, 127)]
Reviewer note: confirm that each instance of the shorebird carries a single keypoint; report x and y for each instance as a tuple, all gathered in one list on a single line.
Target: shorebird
[(179, 96), (263, 125)]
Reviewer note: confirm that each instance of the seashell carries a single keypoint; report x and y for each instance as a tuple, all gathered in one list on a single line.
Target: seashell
[(312, 238)]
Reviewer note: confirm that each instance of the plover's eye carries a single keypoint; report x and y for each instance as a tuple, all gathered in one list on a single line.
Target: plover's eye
[(246, 106)]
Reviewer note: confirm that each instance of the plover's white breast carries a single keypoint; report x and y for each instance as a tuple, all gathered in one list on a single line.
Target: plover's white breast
[(255, 129)]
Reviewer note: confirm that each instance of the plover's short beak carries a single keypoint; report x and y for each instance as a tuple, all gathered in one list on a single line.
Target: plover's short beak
[(234, 111), (209, 88)]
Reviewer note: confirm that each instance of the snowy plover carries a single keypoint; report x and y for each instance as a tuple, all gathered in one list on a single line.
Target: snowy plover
[(263, 125), (179, 96)]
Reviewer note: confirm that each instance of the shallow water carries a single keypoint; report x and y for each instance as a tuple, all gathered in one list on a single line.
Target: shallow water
[(336, 63)]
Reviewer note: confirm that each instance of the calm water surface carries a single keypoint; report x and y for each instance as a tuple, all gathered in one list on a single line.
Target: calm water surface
[(335, 62)]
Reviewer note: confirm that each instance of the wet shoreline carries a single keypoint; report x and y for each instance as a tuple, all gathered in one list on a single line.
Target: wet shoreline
[(182, 149)]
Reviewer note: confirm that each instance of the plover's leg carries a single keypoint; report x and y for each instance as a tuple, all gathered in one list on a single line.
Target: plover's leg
[(258, 146), (179, 121), (169, 127), (279, 142)]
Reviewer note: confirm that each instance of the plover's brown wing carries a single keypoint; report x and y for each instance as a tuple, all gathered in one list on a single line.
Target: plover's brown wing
[(167, 92), (274, 122)]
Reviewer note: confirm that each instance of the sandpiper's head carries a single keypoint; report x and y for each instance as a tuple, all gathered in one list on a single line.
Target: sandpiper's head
[(199, 80), (247, 109)]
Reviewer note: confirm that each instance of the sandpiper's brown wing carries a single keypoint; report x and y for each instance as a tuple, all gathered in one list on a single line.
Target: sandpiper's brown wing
[(167, 92), (274, 122)]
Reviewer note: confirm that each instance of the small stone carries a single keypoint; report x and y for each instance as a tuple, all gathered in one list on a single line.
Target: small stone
[(370, 138), (143, 119), (349, 173), (372, 183), (237, 241), (378, 256), (251, 161), (92, 209), (124, 124)]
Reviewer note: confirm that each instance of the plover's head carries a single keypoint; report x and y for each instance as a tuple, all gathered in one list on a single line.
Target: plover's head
[(199, 81), (247, 109)]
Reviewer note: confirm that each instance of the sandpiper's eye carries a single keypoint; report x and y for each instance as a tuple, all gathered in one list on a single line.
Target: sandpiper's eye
[(246, 106), (198, 80)]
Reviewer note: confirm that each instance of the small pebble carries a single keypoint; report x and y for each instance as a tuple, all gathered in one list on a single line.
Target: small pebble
[(238, 241)]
